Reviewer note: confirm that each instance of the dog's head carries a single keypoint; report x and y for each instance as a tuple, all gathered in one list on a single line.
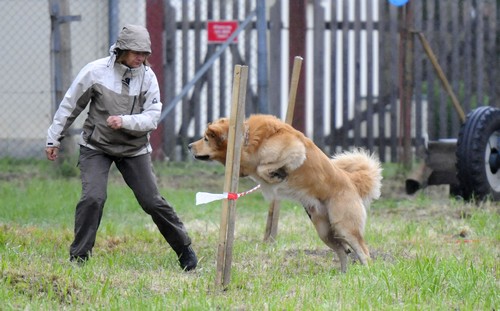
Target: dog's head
[(213, 145)]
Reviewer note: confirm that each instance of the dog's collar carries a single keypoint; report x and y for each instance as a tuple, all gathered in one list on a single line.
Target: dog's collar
[(246, 136)]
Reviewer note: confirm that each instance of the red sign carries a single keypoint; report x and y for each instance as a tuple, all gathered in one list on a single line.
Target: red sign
[(220, 31)]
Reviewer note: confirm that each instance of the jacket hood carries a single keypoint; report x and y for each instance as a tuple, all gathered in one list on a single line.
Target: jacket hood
[(134, 38)]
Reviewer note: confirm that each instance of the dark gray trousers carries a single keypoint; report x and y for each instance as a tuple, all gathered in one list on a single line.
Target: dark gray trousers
[(138, 174)]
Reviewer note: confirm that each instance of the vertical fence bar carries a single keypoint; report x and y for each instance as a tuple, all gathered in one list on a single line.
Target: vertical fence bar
[(454, 62), (468, 43), (431, 78), (490, 69), (333, 143), (113, 21), (393, 87), (249, 56), (441, 53), (406, 82), (197, 113), (210, 72), (370, 90), (417, 89), (297, 39), (155, 25), (187, 112), (480, 52), (319, 75), (60, 54), (345, 75), (171, 57), (357, 72), (262, 75), (384, 75), (275, 57), (222, 67)]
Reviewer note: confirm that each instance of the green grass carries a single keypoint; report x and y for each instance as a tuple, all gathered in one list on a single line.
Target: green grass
[(429, 252)]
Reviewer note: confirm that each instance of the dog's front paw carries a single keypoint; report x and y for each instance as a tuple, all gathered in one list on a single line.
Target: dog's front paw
[(279, 174), (275, 176), (272, 174)]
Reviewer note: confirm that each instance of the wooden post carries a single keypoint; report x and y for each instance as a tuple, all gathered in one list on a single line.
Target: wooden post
[(274, 208), (406, 82), (235, 140), (294, 83), (155, 24), (297, 36)]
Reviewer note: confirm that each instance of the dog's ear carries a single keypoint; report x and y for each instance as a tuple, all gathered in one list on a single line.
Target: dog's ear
[(217, 132)]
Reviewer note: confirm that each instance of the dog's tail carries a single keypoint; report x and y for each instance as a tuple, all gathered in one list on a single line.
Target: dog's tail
[(365, 172)]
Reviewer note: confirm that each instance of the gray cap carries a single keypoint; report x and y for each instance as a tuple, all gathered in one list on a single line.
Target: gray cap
[(134, 38)]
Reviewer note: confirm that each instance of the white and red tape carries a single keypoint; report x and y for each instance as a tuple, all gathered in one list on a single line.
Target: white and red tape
[(205, 197)]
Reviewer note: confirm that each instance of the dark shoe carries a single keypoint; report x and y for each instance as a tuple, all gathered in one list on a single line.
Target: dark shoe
[(187, 258), (80, 260)]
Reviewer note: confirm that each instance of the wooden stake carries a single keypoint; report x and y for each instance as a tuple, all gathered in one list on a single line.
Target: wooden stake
[(441, 76), (235, 140), (274, 208), (294, 83)]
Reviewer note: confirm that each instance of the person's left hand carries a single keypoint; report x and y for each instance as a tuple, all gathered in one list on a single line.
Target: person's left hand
[(51, 153), (114, 122)]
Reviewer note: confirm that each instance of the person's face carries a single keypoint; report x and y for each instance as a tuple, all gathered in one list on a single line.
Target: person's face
[(134, 59)]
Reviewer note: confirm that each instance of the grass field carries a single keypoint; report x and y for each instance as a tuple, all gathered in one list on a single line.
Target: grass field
[(429, 252)]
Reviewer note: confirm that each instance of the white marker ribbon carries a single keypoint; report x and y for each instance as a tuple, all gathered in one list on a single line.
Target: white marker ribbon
[(206, 197)]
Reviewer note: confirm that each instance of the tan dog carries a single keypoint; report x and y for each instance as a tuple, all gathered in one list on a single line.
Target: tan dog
[(334, 192)]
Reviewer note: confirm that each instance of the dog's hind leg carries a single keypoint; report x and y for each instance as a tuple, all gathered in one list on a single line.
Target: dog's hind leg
[(341, 252), (355, 241), (348, 224), (337, 246), (324, 230)]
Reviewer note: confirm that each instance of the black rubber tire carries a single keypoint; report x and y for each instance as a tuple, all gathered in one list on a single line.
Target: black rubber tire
[(478, 144)]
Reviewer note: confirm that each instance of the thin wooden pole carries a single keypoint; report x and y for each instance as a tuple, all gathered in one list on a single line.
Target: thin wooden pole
[(274, 208), (235, 139), (297, 65), (441, 75)]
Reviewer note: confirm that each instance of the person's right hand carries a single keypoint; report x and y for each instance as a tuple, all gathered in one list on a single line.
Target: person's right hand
[(52, 153)]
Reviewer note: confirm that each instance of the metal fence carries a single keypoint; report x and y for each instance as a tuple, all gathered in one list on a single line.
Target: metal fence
[(350, 92)]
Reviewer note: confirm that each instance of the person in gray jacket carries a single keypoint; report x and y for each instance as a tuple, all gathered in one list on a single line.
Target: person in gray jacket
[(123, 99)]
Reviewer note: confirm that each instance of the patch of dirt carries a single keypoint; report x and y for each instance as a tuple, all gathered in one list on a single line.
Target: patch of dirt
[(36, 284), (321, 254)]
